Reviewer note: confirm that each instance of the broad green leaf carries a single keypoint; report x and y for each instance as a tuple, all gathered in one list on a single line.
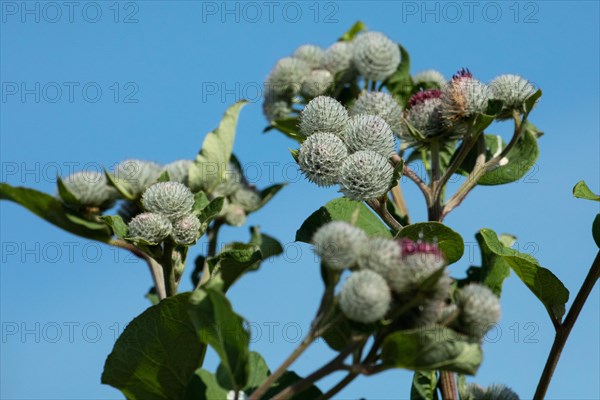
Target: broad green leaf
[(210, 166), (342, 209), (200, 202), (211, 210), (268, 193), (582, 191), (339, 334), (349, 35), (494, 269), (220, 327), (204, 386), (65, 194), (53, 211), (118, 226), (450, 243), (435, 348), (479, 123), (424, 386), (541, 281), (122, 186), (258, 372), (157, 353), (231, 263), (288, 379), (596, 230), (269, 246), (288, 127)]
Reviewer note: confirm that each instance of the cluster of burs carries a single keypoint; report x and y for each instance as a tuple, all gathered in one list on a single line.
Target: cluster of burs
[(388, 274), (349, 141), (160, 199)]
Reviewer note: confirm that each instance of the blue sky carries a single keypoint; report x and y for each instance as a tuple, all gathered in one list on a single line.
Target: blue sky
[(99, 83)]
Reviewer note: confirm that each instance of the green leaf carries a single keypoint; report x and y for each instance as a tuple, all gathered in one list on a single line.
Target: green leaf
[(532, 101), (53, 211), (200, 202), (358, 27), (210, 166), (450, 243), (204, 386), (342, 209), (339, 334), (541, 281), (596, 230), (494, 269), (400, 83), (289, 127), (424, 386), (231, 263), (288, 379), (122, 186), (269, 246), (258, 372), (582, 191), (65, 194), (218, 325), (164, 177), (157, 353), (152, 296), (435, 348), (211, 210), (268, 193), (118, 226)]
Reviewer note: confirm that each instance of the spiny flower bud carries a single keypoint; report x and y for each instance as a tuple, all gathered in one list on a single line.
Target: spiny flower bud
[(151, 227), (424, 115), (369, 132), (91, 189), (275, 108), (338, 60), (138, 174), (234, 215), (339, 244), (247, 198), (462, 98), (382, 256), (172, 199), (380, 104), (365, 297), (323, 114), (186, 229), (499, 392), (178, 170), (320, 158), (365, 175), (287, 76), (479, 310), (233, 181), (310, 54), (419, 261), (428, 77), (375, 56), (512, 90), (317, 83)]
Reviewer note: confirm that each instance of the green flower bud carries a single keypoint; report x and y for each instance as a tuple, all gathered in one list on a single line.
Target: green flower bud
[(512, 90), (172, 199), (369, 132), (310, 54), (428, 77), (186, 229), (247, 198), (339, 244), (91, 189), (323, 114), (151, 227), (320, 158), (365, 175), (178, 170), (375, 56), (479, 310), (287, 77), (365, 297), (317, 83), (380, 104), (338, 60), (234, 215), (138, 174)]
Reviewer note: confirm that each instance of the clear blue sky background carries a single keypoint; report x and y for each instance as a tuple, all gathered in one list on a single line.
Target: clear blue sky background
[(169, 58)]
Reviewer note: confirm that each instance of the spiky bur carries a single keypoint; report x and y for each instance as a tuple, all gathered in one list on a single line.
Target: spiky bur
[(365, 175), (320, 158), (287, 77), (151, 227), (318, 82), (425, 79), (338, 60), (247, 198), (492, 392), (380, 104), (382, 256), (375, 56), (310, 54), (369, 132), (339, 244), (323, 114), (172, 199), (479, 310), (186, 229), (462, 98), (137, 174), (365, 297), (178, 170), (423, 114), (234, 215), (512, 90), (91, 189), (276, 107)]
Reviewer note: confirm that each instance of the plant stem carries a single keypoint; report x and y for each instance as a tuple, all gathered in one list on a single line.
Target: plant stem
[(339, 386), (467, 145), (565, 328), (412, 175), (398, 197), (380, 208), (168, 270), (155, 268), (434, 207), (447, 385), (212, 234)]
